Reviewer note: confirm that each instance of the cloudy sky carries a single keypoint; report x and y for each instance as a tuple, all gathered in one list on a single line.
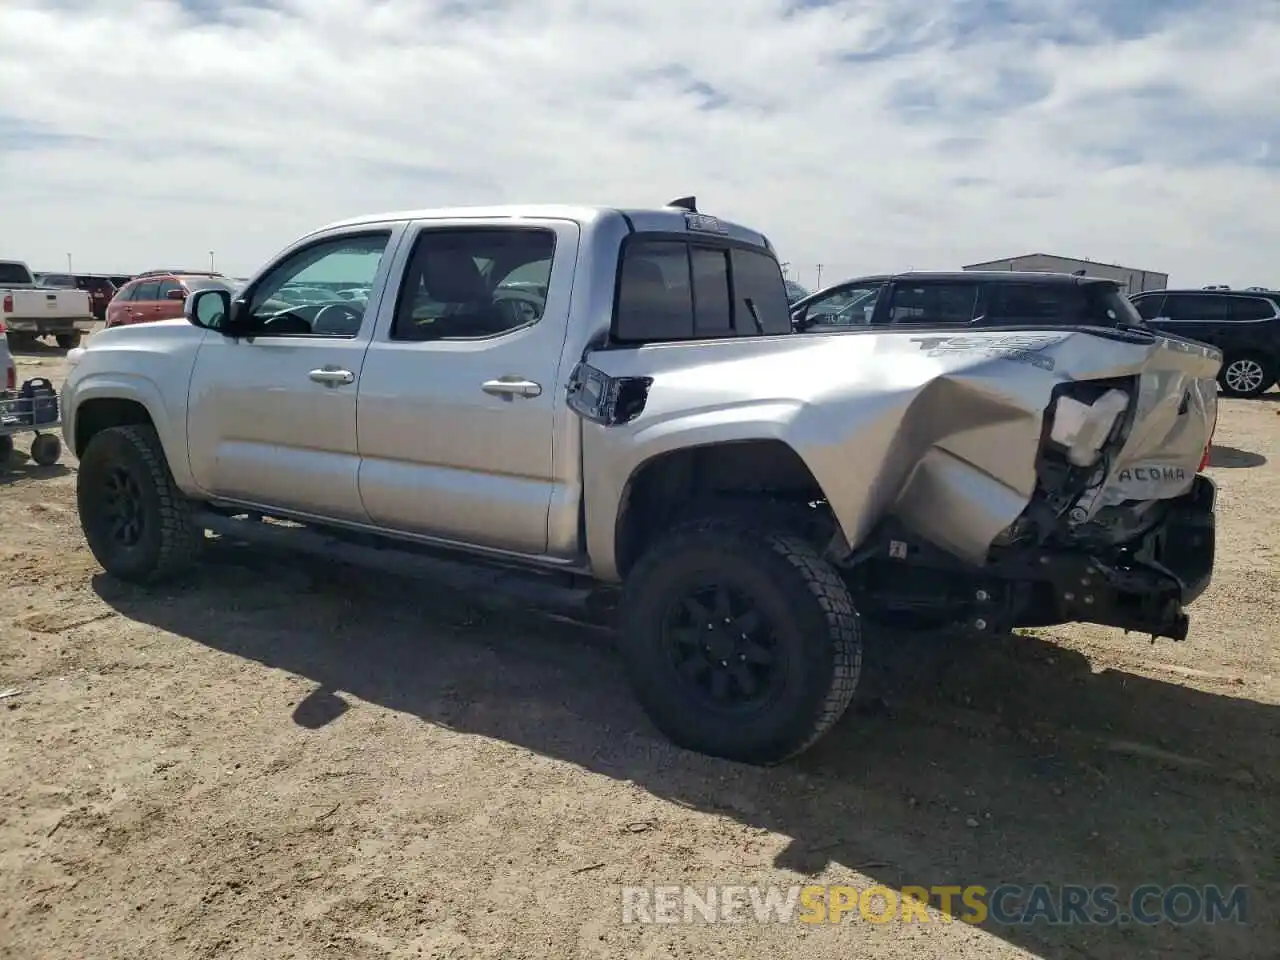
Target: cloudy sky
[(867, 135)]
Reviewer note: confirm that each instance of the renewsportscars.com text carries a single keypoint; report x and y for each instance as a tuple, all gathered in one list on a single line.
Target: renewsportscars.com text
[(1006, 905)]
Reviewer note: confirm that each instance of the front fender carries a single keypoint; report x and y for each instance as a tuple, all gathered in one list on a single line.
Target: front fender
[(170, 423)]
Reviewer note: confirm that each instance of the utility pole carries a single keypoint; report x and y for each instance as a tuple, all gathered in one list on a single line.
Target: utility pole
[(211, 270), (786, 269), (69, 270), (818, 284)]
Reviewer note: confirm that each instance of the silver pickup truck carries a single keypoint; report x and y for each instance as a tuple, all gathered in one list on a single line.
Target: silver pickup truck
[(617, 397)]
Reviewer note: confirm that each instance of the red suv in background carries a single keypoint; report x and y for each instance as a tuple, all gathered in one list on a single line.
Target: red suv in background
[(159, 295)]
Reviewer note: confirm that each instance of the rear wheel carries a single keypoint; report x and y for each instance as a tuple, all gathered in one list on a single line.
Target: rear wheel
[(1246, 375), (68, 340), (6, 449), (136, 521), (740, 642)]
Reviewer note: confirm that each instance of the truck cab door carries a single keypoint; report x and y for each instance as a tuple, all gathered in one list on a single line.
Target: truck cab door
[(463, 431), (271, 418)]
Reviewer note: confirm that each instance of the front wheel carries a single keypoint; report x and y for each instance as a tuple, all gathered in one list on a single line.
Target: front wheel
[(1246, 375), (136, 521), (740, 643)]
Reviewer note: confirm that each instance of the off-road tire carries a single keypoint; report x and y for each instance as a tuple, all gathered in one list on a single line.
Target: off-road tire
[(6, 450), (67, 341), (170, 541), (1263, 364), (815, 625)]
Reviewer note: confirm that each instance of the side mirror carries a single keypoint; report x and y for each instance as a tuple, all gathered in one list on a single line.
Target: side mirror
[(208, 309), (176, 295)]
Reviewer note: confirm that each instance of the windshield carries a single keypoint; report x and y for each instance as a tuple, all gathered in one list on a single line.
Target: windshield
[(14, 273)]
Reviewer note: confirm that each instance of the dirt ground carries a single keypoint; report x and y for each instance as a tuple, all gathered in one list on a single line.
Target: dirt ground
[(284, 758)]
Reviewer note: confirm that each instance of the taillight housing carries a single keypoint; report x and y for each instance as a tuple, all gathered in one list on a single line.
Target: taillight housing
[(1208, 447), (8, 303), (10, 375)]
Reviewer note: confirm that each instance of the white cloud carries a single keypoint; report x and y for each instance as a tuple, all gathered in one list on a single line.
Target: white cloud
[(135, 133)]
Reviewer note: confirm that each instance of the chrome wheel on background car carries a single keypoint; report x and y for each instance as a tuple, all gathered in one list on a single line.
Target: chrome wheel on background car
[(1245, 376)]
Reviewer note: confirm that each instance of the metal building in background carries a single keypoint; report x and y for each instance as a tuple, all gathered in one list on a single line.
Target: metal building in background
[(1132, 279)]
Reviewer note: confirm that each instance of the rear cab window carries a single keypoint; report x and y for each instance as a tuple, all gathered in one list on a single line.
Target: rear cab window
[(675, 288), (14, 273)]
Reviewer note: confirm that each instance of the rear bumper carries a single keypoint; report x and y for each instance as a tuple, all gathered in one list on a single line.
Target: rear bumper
[(1144, 584), (44, 326), (1144, 587)]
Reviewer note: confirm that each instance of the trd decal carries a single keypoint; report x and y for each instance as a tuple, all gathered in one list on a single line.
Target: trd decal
[(1015, 347)]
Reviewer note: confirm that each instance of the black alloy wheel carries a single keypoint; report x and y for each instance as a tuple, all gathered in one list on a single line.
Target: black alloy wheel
[(722, 647)]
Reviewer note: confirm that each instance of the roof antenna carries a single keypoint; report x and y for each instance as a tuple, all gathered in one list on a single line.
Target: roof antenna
[(685, 203)]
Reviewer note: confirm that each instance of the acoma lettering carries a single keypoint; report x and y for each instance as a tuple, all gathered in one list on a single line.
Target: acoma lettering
[(1150, 474)]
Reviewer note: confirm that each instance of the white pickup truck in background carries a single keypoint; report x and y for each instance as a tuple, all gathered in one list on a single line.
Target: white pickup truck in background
[(28, 310)]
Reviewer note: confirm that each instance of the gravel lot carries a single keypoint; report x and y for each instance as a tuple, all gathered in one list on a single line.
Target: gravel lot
[(285, 758)]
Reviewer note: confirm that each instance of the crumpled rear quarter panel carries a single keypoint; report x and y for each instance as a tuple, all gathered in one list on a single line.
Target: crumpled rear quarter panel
[(941, 430)]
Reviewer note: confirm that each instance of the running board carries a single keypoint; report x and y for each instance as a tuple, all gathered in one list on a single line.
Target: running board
[(487, 581)]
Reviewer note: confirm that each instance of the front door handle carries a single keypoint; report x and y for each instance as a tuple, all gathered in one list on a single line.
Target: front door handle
[(512, 387), (332, 376)]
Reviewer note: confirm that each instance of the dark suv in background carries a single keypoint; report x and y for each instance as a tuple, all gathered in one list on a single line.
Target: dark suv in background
[(1244, 325), (967, 299)]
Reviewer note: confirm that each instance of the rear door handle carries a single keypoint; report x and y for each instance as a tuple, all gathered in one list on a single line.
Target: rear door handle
[(332, 377), (512, 387)]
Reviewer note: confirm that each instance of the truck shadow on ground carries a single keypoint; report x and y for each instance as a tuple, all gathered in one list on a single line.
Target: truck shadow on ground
[(1234, 458), (20, 467), (1008, 762), (29, 347)]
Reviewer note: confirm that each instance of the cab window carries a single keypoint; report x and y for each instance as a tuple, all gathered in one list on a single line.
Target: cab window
[(933, 304), (146, 291)]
